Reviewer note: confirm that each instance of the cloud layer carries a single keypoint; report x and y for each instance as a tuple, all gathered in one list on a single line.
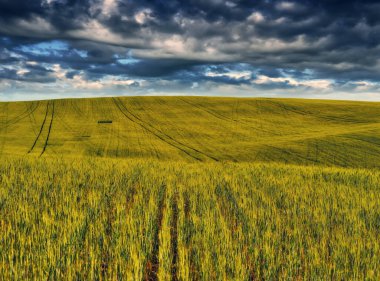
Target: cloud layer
[(58, 48)]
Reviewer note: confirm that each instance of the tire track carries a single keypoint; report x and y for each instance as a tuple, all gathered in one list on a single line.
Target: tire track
[(23, 115), (174, 237), (82, 135), (289, 108), (159, 134), (230, 209), (41, 129), (215, 114), (144, 127), (283, 151), (246, 124), (153, 263), (194, 269), (4, 130), (109, 230), (154, 151), (78, 135), (178, 130), (130, 197), (49, 130), (234, 216), (106, 133), (32, 118), (79, 235)]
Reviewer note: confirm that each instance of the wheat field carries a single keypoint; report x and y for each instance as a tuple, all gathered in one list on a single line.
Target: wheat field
[(189, 188), (196, 129)]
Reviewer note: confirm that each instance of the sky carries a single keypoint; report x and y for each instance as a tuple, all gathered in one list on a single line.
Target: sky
[(327, 49)]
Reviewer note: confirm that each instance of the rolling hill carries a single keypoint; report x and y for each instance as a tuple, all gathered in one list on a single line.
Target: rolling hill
[(306, 132), (189, 188)]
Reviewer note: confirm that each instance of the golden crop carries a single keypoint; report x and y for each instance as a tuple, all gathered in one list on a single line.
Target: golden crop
[(68, 219), (157, 195), (196, 129)]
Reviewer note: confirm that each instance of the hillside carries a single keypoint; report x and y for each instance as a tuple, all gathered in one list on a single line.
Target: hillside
[(160, 197), (293, 131)]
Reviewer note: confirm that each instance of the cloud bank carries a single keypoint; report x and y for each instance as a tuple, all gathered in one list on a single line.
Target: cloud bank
[(67, 48)]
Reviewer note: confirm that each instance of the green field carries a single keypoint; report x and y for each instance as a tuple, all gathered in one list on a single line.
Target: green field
[(193, 129), (189, 188)]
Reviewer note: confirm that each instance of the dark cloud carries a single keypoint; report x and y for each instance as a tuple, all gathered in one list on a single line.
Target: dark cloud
[(182, 41)]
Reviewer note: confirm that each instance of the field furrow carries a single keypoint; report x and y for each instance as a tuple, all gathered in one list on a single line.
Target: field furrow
[(174, 237), (153, 263), (41, 129), (150, 220), (49, 129), (199, 129), (168, 140)]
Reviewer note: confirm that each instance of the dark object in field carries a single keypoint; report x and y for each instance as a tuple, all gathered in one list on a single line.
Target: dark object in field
[(105, 122)]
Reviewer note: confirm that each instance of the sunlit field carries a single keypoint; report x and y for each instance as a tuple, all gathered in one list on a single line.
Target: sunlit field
[(196, 129), (183, 188)]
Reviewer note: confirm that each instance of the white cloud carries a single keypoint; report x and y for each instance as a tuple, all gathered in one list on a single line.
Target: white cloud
[(143, 16), (31, 63), (109, 7), (365, 85), (59, 72), (22, 71), (256, 17), (286, 6), (80, 82), (230, 4), (321, 84), (195, 85), (47, 3), (246, 75), (183, 47)]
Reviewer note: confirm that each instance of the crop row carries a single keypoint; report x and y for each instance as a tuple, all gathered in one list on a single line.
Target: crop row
[(98, 219)]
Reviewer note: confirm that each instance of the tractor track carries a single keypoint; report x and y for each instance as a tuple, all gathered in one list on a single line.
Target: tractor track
[(4, 130), (106, 255), (145, 127), (246, 124), (41, 128), (174, 237), (159, 134), (49, 130), (235, 217), (316, 115), (216, 115), (29, 110), (153, 263), (103, 145), (136, 128), (284, 151), (154, 151), (188, 232), (79, 236), (77, 134), (202, 147), (32, 120)]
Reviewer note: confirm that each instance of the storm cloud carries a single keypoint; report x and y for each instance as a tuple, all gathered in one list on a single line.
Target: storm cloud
[(237, 48)]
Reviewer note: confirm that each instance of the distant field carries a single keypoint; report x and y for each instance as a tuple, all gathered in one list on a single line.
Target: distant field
[(189, 188), (306, 132)]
